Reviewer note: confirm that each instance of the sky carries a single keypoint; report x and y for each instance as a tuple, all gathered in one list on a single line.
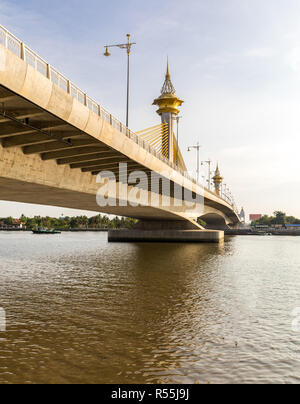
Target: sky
[(236, 63)]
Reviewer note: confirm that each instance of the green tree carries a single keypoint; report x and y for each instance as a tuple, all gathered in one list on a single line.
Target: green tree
[(9, 221), (201, 222), (23, 219), (280, 217)]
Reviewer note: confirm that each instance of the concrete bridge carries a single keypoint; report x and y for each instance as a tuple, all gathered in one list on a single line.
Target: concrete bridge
[(55, 140)]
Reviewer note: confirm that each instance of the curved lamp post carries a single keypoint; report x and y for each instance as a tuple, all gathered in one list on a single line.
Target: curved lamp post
[(128, 47), (197, 147)]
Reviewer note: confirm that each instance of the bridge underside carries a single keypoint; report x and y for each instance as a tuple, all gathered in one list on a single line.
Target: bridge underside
[(24, 192), (155, 225)]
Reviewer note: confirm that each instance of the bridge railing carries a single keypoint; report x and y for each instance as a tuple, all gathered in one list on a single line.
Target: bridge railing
[(29, 56)]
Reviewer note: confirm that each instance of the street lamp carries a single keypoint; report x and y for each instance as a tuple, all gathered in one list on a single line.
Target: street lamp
[(197, 147), (208, 162), (227, 194), (177, 119), (224, 190), (128, 47)]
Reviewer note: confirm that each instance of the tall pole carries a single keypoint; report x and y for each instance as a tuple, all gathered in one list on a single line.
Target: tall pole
[(197, 147), (128, 78), (126, 46), (209, 174), (208, 162), (198, 162)]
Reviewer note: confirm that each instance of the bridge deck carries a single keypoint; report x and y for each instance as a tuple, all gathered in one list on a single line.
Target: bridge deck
[(36, 131)]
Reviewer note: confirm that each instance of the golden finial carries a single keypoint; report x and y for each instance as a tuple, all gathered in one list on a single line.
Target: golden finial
[(168, 69), (168, 87), (168, 101)]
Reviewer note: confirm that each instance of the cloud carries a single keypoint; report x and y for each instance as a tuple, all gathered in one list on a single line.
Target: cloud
[(260, 53), (15, 17), (293, 59), (232, 152)]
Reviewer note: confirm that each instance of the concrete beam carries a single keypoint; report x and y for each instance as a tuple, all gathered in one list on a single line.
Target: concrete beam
[(18, 133), (87, 158), (100, 167), (8, 98), (80, 151), (130, 170), (56, 146), (103, 161), (29, 130), (32, 140), (121, 178), (23, 116)]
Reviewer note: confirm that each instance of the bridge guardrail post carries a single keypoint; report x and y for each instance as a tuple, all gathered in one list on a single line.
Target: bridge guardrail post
[(48, 71), (22, 51)]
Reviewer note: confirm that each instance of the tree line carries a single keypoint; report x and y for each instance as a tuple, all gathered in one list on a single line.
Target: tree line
[(68, 223), (277, 218)]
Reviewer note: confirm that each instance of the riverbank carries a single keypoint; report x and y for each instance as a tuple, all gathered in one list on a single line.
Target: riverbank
[(247, 232), (235, 232), (62, 230)]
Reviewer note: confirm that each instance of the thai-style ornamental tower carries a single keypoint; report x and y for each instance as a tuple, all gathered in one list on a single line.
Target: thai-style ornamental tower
[(243, 216), (168, 104), (218, 179)]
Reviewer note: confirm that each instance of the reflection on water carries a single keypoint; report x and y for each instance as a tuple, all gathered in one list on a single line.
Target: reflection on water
[(82, 310)]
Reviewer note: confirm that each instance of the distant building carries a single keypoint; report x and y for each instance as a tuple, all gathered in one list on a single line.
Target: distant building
[(294, 227), (262, 227), (255, 217), (15, 225)]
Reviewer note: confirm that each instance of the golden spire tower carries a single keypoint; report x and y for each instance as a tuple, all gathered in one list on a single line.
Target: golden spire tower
[(168, 104), (218, 179)]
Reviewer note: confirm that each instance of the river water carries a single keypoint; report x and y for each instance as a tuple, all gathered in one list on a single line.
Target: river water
[(81, 310)]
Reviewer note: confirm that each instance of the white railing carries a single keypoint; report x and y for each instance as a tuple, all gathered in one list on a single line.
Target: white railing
[(10, 41), (29, 56)]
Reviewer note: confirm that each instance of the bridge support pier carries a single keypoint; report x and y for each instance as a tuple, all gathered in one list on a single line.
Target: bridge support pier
[(165, 232)]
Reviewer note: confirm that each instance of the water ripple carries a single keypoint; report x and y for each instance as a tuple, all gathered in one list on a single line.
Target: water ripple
[(80, 310)]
